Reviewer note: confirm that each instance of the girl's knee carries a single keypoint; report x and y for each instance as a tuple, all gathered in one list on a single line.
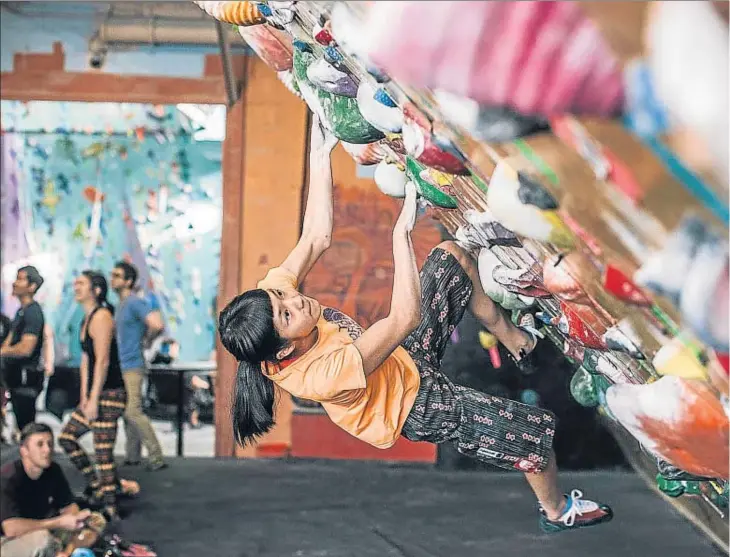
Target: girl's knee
[(452, 247), (459, 253)]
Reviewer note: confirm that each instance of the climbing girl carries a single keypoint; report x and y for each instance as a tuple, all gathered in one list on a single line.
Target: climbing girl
[(386, 381)]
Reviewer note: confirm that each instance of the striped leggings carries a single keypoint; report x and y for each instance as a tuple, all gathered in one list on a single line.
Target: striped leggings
[(104, 478)]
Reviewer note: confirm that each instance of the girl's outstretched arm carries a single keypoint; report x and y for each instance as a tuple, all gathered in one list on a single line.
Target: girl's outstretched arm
[(317, 227), (383, 337)]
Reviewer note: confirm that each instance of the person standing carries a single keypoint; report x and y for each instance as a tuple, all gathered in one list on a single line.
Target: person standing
[(137, 324), (21, 351), (102, 398)]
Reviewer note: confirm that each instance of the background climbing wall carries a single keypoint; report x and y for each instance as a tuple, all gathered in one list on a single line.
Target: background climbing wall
[(89, 184)]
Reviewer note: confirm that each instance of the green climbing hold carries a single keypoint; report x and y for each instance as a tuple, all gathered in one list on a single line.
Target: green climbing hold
[(346, 121), (432, 193), (342, 114), (583, 389), (481, 184), (673, 488), (301, 59)]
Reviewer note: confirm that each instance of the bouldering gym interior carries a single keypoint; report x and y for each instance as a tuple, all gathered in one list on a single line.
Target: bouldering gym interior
[(365, 279)]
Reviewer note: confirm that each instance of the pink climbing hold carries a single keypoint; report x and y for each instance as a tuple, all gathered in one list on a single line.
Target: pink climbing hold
[(419, 143), (543, 58), (274, 47)]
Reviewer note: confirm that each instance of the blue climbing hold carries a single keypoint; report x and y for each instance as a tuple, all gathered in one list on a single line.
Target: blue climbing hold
[(382, 97)]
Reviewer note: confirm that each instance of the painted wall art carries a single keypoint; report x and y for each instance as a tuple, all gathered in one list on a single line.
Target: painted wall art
[(87, 184)]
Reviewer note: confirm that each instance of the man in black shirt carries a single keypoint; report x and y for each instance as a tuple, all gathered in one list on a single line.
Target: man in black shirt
[(21, 351), (35, 498), (4, 332), (4, 327)]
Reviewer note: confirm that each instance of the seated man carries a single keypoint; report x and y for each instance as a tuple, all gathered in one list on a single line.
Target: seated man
[(37, 508)]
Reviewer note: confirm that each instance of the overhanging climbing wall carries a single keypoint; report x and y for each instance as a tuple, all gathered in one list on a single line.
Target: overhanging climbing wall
[(584, 167)]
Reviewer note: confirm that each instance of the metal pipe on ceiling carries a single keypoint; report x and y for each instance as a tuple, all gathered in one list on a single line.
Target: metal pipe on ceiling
[(153, 33), (177, 11)]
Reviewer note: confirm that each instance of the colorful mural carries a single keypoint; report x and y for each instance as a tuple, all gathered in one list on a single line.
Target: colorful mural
[(356, 274), (94, 183)]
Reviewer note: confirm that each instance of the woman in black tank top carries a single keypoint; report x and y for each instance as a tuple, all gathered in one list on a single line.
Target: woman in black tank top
[(114, 371), (103, 397)]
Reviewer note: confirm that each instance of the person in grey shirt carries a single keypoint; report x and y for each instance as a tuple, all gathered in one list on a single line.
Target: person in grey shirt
[(137, 322)]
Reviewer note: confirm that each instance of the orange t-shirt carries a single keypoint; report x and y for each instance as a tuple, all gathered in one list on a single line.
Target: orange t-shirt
[(372, 408)]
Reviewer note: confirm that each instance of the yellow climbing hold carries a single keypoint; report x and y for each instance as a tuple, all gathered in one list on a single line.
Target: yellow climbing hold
[(675, 358), (487, 340), (560, 235)]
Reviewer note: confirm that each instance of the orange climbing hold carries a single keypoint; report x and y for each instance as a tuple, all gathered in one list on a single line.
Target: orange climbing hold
[(238, 13)]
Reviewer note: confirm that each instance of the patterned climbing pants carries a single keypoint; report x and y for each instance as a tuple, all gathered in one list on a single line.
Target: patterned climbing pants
[(498, 431), (104, 479)]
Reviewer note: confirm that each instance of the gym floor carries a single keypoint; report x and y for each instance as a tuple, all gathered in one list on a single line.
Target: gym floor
[(278, 508)]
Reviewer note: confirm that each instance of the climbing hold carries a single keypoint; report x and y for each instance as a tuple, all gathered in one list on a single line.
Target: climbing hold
[(274, 47), (490, 343), (366, 154), (670, 472), (704, 300), (323, 35), (687, 54), (391, 178), (238, 13), (666, 270), (682, 421), (487, 262), (482, 230), (621, 286), (692, 271), (676, 358), (348, 31), (303, 56), (558, 277), (528, 220), (345, 120), (379, 109), (333, 56), (583, 390), (325, 76), (338, 113), (571, 324), (432, 185), (530, 396), (599, 364), (623, 338), (525, 281), (531, 192), (278, 13), (488, 123), (421, 144), (671, 488)]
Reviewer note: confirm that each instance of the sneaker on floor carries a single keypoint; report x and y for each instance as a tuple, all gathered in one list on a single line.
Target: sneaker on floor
[(155, 465), (579, 513)]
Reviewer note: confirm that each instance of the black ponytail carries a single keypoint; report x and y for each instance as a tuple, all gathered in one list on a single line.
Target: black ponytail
[(246, 328), (254, 399), (98, 282)]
